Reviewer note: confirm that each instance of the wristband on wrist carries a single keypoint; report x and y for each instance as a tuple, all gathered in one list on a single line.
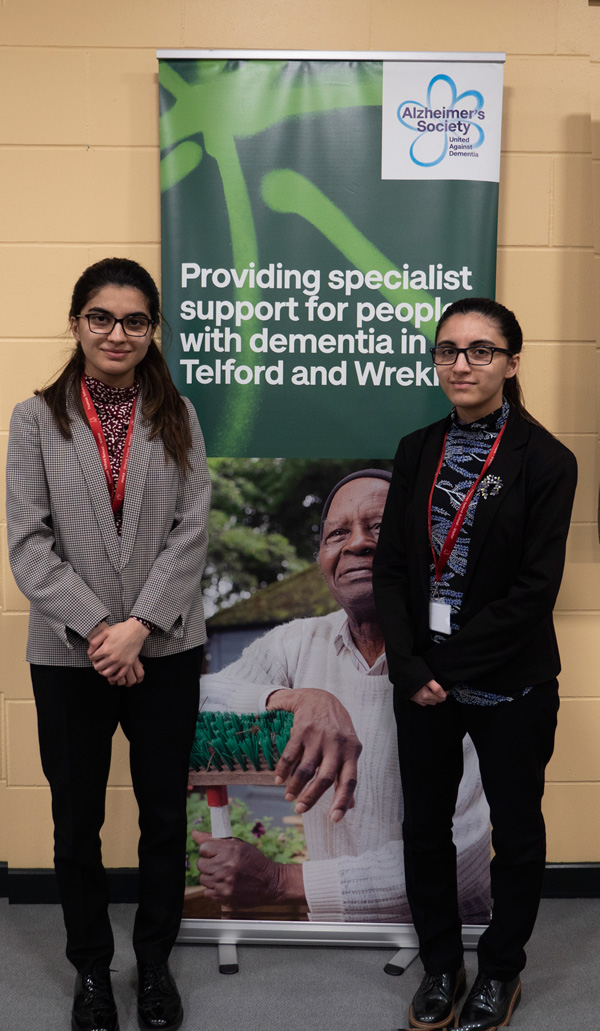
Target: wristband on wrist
[(145, 622)]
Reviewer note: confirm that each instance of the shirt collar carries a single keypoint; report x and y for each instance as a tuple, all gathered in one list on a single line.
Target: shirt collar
[(491, 423), (105, 394), (343, 639)]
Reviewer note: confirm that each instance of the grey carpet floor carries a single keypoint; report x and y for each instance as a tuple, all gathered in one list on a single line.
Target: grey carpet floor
[(292, 988)]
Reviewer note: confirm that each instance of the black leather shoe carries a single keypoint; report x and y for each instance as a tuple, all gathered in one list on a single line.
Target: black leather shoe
[(490, 1004), (159, 1002), (433, 1003), (94, 1007)]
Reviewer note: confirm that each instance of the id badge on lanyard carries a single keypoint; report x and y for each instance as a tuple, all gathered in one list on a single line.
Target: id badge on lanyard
[(439, 617)]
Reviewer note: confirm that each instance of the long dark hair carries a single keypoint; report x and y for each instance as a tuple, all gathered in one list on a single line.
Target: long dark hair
[(506, 323), (163, 408)]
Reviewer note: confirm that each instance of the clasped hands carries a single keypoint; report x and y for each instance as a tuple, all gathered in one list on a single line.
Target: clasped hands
[(114, 651), (431, 693)]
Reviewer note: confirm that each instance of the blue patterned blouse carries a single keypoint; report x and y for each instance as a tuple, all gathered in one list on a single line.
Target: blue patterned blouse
[(467, 448)]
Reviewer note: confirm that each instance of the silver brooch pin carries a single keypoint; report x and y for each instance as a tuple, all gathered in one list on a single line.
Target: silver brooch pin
[(490, 486)]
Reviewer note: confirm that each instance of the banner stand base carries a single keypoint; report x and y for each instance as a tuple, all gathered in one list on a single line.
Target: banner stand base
[(228, 934), (400, 962), (228, 959)]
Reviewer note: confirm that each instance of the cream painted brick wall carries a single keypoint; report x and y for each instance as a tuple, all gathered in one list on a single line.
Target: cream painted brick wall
[(27, 364), (582, 546), (76, 23), (4, 824), (476, 25), (3, 739), (30, 836), (120, 832), (23, 765), (3, 447), (79, 166), (595, 213), (546, 104), (585, 449), (24, 768), (571, 825), (52, 264), (580, 588), (49, 86), (16, 682), (580, 722), (557, 380), (30, 832), (551, 290), (525, 206), (76, 194), (579, 641), (572, 224)]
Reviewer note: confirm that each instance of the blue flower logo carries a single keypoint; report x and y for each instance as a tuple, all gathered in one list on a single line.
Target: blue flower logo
[(448, 119)]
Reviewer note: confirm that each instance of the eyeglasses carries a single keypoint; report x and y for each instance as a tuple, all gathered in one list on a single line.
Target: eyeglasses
[(103, 323), (478, 354)]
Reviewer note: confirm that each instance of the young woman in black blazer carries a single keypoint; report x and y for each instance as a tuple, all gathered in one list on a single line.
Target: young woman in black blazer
[(466, 574), (107, 508)]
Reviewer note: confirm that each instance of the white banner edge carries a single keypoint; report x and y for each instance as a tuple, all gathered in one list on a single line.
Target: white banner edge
[(495, 57)]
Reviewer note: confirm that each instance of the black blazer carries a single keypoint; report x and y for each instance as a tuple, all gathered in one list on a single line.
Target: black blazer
[(506, 640)]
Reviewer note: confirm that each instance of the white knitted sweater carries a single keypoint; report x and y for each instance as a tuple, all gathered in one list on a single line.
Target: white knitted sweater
[(355, 870)]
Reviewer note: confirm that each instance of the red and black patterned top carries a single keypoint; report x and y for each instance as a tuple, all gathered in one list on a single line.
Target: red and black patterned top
[(114, 406)]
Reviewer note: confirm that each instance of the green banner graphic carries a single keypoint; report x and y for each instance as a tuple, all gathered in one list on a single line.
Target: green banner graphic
[(301, 288)]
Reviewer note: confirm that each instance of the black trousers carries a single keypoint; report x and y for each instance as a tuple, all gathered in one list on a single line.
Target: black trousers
[(514, 742), (78, 713)]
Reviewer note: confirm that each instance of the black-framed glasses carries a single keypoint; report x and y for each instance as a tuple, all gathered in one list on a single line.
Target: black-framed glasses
[(103, 323), (477, 354)]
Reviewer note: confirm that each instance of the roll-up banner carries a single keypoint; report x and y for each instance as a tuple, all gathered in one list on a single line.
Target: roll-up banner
[(319, 211)]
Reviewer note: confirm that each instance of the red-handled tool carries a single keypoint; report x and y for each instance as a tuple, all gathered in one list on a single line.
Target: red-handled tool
[(217, 799)]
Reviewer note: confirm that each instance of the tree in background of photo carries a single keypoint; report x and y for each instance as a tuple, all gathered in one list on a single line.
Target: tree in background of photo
[(264, 521)]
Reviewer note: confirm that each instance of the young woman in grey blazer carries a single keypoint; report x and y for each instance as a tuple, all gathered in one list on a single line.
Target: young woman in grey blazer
[(467, 569), (107, 506)]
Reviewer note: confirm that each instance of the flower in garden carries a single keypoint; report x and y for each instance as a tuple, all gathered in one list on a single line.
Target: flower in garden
[(259, 829)]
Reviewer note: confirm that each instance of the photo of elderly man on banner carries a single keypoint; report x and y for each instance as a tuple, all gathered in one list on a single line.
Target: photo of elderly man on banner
[(331, 670)]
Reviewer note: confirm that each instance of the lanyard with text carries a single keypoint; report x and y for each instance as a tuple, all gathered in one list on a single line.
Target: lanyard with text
[(116, 495), (448, 545)]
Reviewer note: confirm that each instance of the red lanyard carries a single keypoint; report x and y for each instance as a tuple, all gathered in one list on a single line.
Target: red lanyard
[(116, 495), (441, 562)]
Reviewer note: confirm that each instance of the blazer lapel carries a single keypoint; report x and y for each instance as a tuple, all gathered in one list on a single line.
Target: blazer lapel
[(506, 466), (89, 460), (137, 472)]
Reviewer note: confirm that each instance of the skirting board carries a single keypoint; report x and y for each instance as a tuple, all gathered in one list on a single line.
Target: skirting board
[(27, 887), (36, 887)]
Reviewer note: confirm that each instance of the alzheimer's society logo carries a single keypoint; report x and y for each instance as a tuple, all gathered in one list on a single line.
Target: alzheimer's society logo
[(451, 130), (448, 123)]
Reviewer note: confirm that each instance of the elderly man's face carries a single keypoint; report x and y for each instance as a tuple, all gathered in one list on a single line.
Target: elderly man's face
[(349, 538)]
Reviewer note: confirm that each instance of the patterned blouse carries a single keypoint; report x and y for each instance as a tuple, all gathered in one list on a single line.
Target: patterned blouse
[(467, 448), (114, 406)]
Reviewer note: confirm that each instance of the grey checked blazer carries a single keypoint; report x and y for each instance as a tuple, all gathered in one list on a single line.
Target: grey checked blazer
[(67, 556)]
